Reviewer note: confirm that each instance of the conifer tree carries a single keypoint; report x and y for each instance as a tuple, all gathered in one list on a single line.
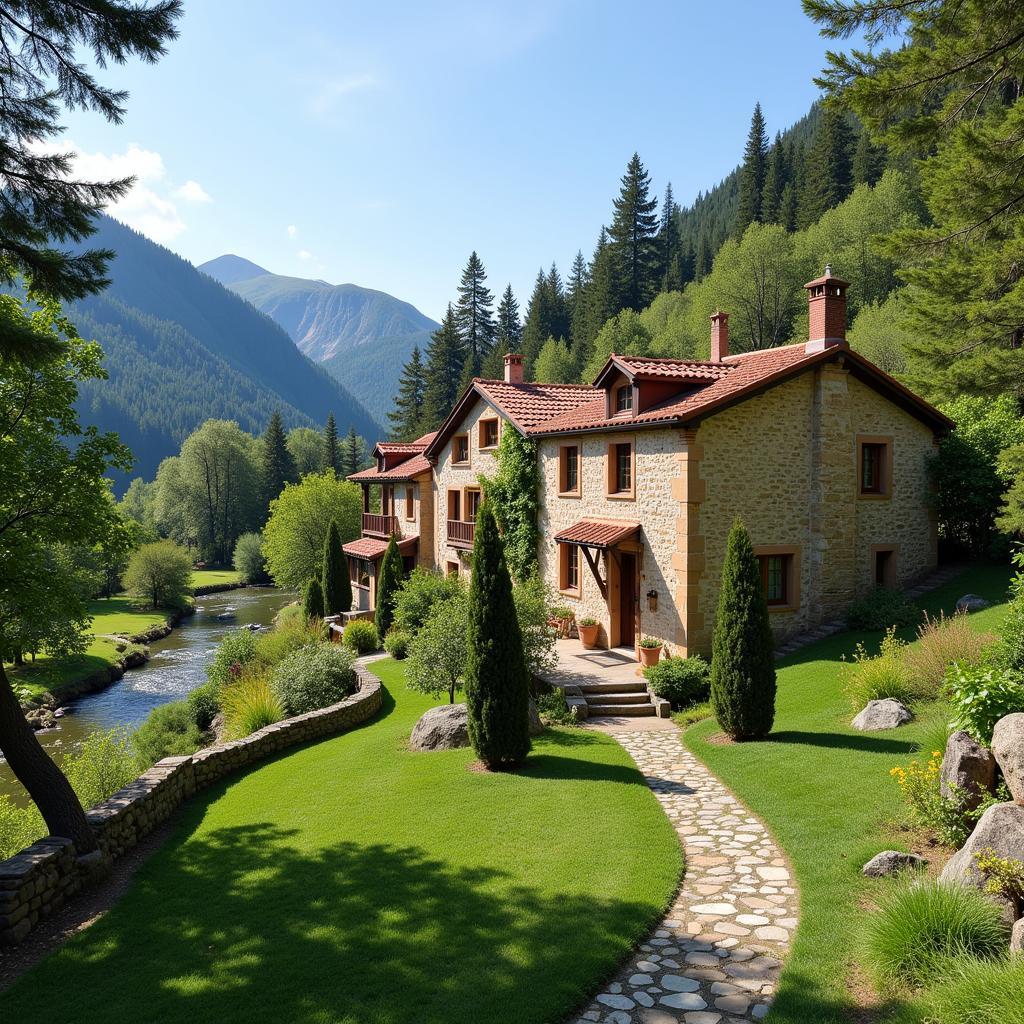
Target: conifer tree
[(496, 681), (507, 336), (351, 453), (389, 582), (774, 182), (668, 243), (868, 160), (752, 173), (332, 454), (473, 313), (576, 299), (313, 600), (446, 358), (742, 655), (546, 315), (796, 161), (277, 467), (633, 239), (336, 585), (828, 179), (602, 295), (407, 416)]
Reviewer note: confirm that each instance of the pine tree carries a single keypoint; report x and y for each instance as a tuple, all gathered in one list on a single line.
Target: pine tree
[(829, 178), (389, 582), (546, 315), (507, 336), (774, 183), (473, 313), (602, 295), (351, 453), (742, 653), (496, 680), (277, 467), (752, 173), (796, 162), (446, 357), (868, 160), (633, 239), (313, 600), (407, 416), (332, 455), (336, 585), (576, 300), (668, 243)]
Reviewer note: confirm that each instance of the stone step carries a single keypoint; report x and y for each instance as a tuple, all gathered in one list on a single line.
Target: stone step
[(621, 687), (630, 710), (617, 698)]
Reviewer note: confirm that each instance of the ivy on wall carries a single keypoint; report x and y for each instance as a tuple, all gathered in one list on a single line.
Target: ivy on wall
[(513, 495)]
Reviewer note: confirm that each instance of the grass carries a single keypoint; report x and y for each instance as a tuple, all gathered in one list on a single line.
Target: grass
[(825, 791), (208, 577), (117, 615), (354, 881)]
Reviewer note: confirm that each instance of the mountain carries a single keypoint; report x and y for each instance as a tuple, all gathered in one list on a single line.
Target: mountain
[(181, 348), (362, 336)]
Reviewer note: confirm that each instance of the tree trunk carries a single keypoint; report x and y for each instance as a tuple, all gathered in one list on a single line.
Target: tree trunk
[(45, 782)]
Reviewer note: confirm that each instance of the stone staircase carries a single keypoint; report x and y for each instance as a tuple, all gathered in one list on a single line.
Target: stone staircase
[(620, 699)]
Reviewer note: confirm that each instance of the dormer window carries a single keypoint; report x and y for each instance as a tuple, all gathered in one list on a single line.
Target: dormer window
[(624, 398)]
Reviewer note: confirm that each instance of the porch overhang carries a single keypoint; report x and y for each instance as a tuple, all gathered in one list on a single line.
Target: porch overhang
[(372, 548), (596, 535)]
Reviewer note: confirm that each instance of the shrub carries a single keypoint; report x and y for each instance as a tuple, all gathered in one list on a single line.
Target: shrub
[(975, 991), (314, 677), (881, 609), (289, 635), (532, 598), (313, 600), (940, 643), (876, 677), (250, 704), (389, 582), (248, 559), (917, 929), (420, 592), (680, 681), (437, 653), (169, 731), (19, 826), (335, 581), (1010, 652), (1004, 876), (236, 650), (396, 643), (361, 636), (101, 764), (981, 696), (204, 705), (950, 818), (554, 708), (742, 659), (159, 575)]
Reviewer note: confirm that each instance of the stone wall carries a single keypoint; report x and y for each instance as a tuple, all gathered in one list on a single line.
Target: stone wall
[(39, 879)]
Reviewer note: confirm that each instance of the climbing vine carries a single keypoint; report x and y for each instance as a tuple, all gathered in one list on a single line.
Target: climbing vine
[(513, 496)]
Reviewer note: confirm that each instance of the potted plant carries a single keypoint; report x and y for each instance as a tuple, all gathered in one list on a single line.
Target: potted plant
[(650, 650), (588, 629), (561, 620)]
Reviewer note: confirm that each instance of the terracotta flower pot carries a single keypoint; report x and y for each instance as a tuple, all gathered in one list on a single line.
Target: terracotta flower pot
[(588, 636), (649, 656)]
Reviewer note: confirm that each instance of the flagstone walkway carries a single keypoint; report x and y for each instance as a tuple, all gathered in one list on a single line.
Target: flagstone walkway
[(716, 956)]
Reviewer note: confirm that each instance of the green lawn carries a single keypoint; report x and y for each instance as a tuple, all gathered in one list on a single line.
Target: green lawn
[(117, 615), (207, 577), (354, 881), (825, 791)]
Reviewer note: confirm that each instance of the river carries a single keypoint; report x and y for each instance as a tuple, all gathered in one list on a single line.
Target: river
[(177, 664)]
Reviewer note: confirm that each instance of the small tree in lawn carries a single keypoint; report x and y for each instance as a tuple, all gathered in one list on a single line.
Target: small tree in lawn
[(742, 661), (159, 575), (437, 653), (496, 680), (313, 600), (337, 586), (389, 582)]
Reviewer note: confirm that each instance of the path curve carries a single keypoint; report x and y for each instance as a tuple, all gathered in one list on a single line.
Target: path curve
[(715, 958)]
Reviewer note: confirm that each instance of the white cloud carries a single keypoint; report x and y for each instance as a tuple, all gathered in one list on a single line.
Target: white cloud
[(193, 192), (305, 255), (292, 231)]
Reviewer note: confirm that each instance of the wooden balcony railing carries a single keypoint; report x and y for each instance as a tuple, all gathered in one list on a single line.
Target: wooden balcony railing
[(460, 534), (380, 526)]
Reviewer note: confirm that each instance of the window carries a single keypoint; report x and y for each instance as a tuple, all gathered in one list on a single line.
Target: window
[(460, 448), (874, 467), (569, 568), (387, 500), (620, 470), (624, 398), (410, 501), (569, 469), (359, 572), (454, 506), (451, 569), (489, 433), (472, 503), (883, 567), (779, 576)]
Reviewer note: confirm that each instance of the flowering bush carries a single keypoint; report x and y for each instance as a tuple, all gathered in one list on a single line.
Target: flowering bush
[(1004, 876), (981, 696)]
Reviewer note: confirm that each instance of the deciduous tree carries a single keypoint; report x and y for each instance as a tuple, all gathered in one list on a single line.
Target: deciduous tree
[(159, 575)]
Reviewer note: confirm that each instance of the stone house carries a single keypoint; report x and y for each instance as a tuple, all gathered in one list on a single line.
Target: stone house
[(820, 453)]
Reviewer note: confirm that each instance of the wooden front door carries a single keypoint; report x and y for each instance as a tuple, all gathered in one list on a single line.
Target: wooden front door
[(627, 599)]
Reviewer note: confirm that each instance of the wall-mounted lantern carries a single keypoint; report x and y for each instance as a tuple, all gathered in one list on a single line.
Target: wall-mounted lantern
[(652, 600)]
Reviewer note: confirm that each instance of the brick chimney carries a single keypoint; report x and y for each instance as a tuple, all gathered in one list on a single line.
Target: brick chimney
[(826, 301), (719, 336), (514, 368)]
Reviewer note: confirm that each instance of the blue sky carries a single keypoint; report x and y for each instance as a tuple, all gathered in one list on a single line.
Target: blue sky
[(379, 143)]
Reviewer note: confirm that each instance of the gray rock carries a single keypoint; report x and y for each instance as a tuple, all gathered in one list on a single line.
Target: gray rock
[(441, 728), (890, 862), (882, 714), (536, 725), (1001, 828), (969, 767), (1008, 747), (1017, 938), (971, 603)]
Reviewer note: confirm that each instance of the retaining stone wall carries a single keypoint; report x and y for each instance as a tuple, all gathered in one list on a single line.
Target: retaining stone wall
[(39, 879)]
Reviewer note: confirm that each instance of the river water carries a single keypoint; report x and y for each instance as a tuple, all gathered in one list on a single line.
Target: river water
[(177, 665)]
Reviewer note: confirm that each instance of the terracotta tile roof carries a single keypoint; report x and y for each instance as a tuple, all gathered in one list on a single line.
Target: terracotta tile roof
[(528, 404), (372, 548), (597, 533), (403, 471), (672, 369)]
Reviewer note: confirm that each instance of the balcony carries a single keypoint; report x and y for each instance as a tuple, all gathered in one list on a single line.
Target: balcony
[(460, 534), (380, 526)]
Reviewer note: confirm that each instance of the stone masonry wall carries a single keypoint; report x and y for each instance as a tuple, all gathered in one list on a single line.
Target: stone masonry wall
[(39, 879)]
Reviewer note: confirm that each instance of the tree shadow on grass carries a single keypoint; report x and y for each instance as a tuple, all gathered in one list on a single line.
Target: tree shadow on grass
[(240, 925), (870, 744)]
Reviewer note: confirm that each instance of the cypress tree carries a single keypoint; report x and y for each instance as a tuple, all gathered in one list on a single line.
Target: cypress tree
[(407, 416), (332, 454), (313, 600), (742, 657), (446, 357), (496, 680), (473, 313), (337, 587), (633, 238), (752, 173), (277, 467), (389, 582)]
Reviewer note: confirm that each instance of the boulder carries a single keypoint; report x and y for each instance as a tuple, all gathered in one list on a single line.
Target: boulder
[(971, 603), (1001, 828), (441, 728), (882, 714), (969, 766), (1017, 938), (891, 862), (1008, 747), (536, 725)]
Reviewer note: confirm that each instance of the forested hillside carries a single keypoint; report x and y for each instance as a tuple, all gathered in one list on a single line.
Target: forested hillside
[(180, 348)]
